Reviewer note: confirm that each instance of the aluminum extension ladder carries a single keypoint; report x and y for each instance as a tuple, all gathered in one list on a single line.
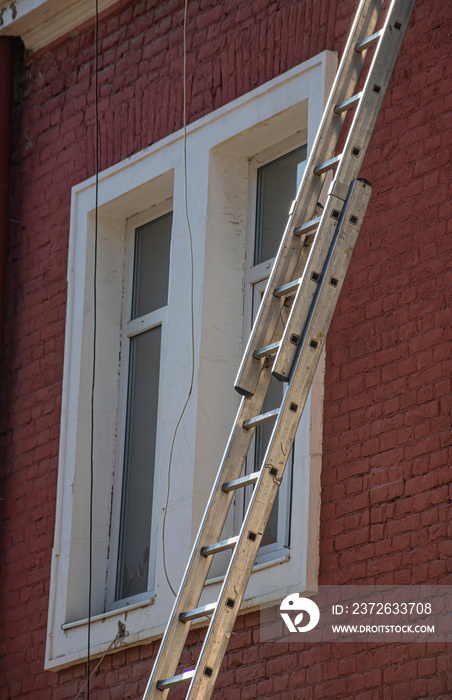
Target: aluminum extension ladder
[(307, 277)]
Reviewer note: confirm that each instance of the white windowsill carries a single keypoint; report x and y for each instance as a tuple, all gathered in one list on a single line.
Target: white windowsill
[(111, 613)]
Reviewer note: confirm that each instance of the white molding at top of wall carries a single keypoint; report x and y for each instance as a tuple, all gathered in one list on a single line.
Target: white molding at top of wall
[(39, 22)]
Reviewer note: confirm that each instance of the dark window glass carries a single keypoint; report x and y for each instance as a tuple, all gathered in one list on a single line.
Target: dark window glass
[(139, 464), (277, 184), (151, 266)]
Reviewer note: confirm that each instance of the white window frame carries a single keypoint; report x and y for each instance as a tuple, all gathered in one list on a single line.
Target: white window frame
[(220, 148), (131, 328)]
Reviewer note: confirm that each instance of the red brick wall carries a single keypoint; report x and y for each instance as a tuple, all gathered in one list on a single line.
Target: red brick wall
[(386, 468)]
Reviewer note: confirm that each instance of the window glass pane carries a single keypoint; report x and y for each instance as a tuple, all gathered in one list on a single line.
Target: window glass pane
[(151, 266), (277, 184), (139, 461)]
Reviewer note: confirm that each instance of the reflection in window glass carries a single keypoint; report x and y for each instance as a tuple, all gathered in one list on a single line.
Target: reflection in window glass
[(277, 184), (139, 462)]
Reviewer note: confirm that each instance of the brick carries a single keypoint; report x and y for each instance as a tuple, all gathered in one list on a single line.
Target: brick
[(388, 347)]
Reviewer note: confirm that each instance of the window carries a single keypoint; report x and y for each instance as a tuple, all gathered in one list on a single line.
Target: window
[(145, 310), (145, 314), (277, 185)]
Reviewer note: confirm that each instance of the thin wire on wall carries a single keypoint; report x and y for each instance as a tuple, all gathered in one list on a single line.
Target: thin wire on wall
[(190, 238), (96, 206), (90, 675)]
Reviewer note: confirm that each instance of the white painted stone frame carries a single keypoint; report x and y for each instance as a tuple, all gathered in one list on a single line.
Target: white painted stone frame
[(219, 148)]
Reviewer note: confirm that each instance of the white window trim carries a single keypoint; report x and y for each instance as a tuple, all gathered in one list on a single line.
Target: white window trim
[(219, 149)]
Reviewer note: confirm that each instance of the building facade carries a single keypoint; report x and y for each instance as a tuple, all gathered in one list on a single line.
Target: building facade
[(152, 272)]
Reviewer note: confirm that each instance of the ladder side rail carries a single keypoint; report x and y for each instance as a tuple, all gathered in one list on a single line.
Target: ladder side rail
[(311, 280), (355, 147), (308, 194), (365, 15), (380, 72), (243, 558), (209, 532)]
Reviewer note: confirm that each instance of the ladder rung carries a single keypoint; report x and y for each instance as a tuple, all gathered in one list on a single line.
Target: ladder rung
[(271, 349), (287, 289), (348, 104), (327, 165), (241, 483), (222, 546), (307, 227), (259, 420), (203, 611), (368, 42), (172, 682)]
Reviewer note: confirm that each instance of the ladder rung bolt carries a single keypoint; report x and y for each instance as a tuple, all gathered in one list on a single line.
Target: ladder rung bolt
[(295, 339), (293, 407), (230, 602), (377, 89), (313, 343), (397, 26), (315, 276), (353, 220), (273, 471), (356, 151), (252, 536), (333, 282), (335, 214), (208, 671)]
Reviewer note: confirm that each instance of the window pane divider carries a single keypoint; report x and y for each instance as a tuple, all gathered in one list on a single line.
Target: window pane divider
[(146, 322), (260, 272)]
